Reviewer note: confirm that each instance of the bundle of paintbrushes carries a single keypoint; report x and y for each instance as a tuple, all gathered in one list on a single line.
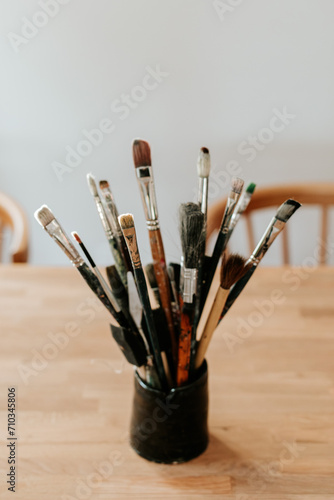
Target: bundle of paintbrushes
[(156, 309)]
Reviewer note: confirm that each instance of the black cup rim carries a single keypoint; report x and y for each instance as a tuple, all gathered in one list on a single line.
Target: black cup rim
[(202, 375)]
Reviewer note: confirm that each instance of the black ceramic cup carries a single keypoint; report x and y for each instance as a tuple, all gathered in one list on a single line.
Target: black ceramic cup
[(170, 427)]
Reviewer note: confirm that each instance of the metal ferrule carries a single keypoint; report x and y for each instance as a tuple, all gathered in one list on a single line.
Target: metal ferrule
[(147, 191), (232, 200), (274, 228), (103, 217), (203, 189), (239, 209), (56, 232), (131, 243), (189, 284), (152, 225), (113, 219)]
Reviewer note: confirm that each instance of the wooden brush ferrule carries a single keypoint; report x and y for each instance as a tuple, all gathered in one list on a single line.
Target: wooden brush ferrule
[(131, 242), (189, 284), (147, 192)]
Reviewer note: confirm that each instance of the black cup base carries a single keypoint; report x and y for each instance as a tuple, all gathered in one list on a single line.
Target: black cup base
[(170, 428)]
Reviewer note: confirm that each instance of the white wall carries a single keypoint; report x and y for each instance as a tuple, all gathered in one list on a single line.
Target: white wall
[(225, 77)]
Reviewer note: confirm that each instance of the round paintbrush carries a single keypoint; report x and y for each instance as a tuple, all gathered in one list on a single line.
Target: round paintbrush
[(232, 269)]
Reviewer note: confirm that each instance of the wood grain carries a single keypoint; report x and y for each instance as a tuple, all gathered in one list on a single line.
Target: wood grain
[(271, 415)]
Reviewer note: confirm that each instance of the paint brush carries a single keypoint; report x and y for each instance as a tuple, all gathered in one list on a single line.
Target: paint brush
[(232, 269), (128, 228), (221, 242), (114, 224), (144, 173), (203, 172), (191, 233), (241, 206), (47, 220), (117, 286), (276, 225), (119, 262)]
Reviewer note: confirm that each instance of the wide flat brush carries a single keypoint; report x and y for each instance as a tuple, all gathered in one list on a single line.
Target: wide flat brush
[(119, 261), (221, 242), (142, 161), (47, 220), (191, 233), (276, 225), (128, 228), (232, 269)]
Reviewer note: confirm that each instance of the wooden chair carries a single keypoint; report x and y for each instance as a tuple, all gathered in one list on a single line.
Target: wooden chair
[(320, 194), (12, 216)]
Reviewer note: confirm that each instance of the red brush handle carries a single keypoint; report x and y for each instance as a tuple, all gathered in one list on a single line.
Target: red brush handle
[(160, 271), (187, 320)]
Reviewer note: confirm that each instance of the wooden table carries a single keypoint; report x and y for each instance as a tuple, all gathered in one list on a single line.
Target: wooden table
[(271, 369)]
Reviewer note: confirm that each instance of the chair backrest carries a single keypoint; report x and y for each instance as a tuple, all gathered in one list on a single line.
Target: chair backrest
[(320, 194), (12, 216)]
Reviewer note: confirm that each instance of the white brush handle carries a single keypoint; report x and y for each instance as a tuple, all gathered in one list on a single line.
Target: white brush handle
[(210, 325)]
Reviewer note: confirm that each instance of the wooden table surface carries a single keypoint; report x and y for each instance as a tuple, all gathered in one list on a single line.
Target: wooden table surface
[(271, 382)]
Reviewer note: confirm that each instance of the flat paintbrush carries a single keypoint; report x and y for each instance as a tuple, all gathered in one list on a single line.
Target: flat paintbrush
[(232, 269), (128, 228), (142, 162), (119, 261), (191, 233), (221, 242), (276, 225), (47, 220)]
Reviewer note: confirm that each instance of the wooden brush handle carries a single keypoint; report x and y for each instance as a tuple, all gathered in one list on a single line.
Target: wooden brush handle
[(160, 270), (210, 325), (187, 319)]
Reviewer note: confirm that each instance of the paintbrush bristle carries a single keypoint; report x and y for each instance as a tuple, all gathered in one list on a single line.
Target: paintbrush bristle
[(191, 232), (44, 215), (237, 184), (232, 269), (251, 188), (203, 163), (104, 185), (92, 184), (76, 237), (141, 153), (126, 221), (286, 210)]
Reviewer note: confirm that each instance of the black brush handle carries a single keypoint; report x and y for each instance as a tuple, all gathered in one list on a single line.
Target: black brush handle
[(95, 286), (152, 333), (236, 290), (131, 345)]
